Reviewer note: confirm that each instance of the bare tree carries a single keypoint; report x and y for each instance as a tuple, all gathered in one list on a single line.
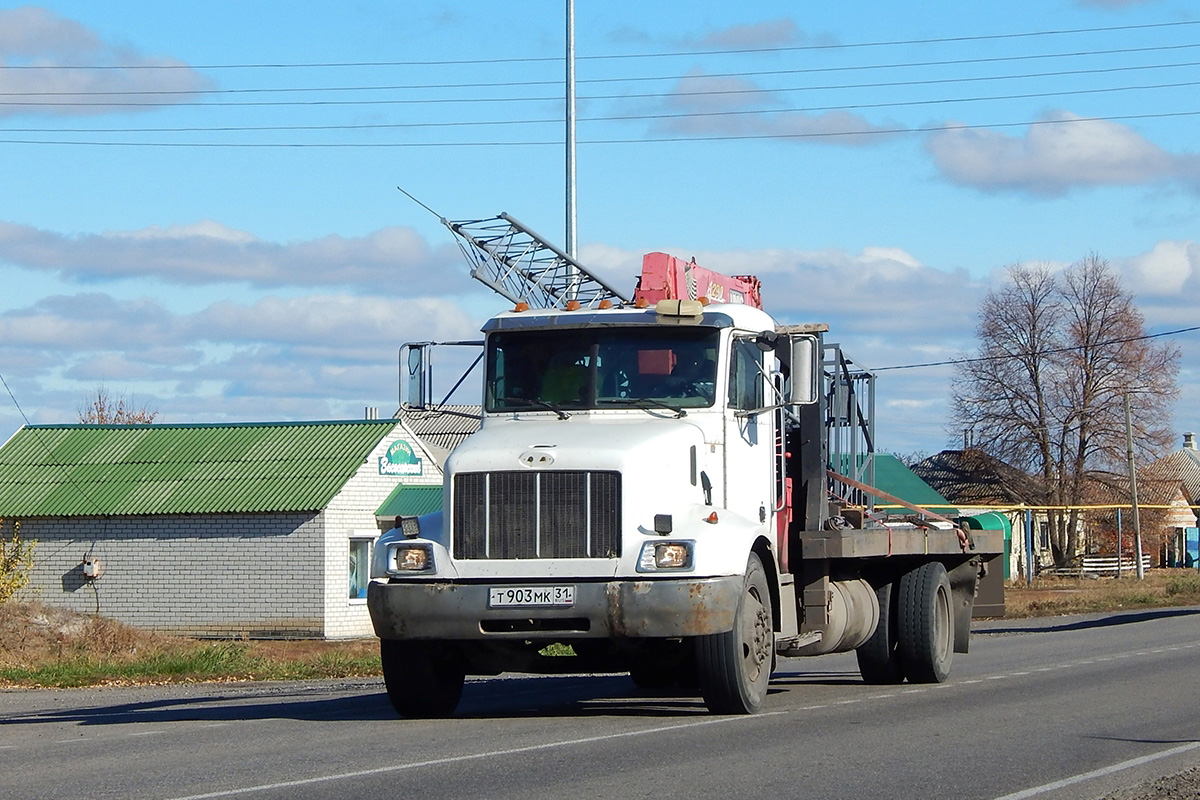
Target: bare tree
[(1057, 355), (102, 408)]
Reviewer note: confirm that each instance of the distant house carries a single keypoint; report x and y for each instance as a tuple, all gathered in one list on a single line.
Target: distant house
[(1169, 491), (981, 484), (255, 529), (1182, 467)]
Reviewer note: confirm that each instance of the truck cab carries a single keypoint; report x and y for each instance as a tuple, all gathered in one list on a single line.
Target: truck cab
[(624, 474)]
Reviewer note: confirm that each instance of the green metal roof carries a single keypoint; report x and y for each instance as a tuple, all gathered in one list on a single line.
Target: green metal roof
[(411, 501), (893, 477), (90, 470)]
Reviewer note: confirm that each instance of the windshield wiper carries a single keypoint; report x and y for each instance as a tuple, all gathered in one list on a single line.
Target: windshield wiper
[(638, 402), (535, 402)]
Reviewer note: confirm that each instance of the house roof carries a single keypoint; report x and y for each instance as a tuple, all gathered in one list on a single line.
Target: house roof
[(441, 429), (972, 477), (1182, 466), (893, 477), (94, 470)]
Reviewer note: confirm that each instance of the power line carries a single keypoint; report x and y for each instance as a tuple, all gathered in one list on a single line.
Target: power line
[(612, 56), (609, 118), (638, 140), (632, 79), (1049, 352), (699, 93)]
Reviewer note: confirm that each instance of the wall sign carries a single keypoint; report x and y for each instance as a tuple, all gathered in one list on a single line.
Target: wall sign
[(400, 460)]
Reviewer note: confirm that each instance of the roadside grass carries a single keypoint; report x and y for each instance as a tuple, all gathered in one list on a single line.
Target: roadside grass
[(1050, 596), (45, 647)]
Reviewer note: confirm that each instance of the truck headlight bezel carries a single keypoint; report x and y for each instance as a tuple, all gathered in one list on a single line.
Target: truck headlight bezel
[(671, 555), (405, 558)]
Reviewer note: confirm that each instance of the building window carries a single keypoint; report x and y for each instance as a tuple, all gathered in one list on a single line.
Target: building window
[(360, 568)]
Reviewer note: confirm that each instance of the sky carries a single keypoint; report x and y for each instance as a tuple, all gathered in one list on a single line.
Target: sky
[(199, 203)]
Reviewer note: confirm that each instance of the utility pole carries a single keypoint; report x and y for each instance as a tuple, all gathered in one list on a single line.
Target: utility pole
[(1137, 528), (571, 214)]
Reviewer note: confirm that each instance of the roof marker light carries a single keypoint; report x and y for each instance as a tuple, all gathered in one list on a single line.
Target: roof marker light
[(572, 305), (522, 306)]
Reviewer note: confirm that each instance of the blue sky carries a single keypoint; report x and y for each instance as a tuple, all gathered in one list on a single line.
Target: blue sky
[(199, 205)]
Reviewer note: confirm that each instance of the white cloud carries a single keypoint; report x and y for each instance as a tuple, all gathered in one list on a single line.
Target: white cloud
[(59, 67), (723, 106), (390, 260), (314, 357), (326, 354), (1170, 269), (30, 32), (1061, 153), (772, 33)]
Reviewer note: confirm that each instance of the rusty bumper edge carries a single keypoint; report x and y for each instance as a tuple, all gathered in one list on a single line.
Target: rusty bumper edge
[(655, 609)]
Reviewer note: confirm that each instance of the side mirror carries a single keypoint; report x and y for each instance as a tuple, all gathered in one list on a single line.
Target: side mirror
[(414, 374), (805, 369)]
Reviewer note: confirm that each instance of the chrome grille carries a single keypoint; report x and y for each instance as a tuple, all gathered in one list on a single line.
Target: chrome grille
[(565, 514)]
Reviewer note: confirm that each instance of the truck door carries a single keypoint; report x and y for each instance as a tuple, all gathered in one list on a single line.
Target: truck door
[(749, 440)]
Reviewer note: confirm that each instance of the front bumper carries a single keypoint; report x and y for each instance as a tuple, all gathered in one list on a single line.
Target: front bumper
[(664, 608)]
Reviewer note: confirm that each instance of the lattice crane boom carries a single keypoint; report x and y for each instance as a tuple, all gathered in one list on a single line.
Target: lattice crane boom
[(517, 263)]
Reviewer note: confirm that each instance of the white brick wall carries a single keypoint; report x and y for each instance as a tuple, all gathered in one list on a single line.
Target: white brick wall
[(352, 512), (256, 575)]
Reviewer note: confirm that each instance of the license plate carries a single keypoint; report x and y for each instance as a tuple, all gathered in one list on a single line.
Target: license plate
[(531, 596)]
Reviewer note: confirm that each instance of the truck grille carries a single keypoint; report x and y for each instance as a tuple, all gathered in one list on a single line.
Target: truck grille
[(537, 514)]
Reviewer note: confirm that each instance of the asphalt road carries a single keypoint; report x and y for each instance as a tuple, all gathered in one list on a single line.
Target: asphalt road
[(1069, 707)]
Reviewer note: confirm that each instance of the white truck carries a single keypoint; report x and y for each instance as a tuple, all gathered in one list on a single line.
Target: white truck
[(674, 488)]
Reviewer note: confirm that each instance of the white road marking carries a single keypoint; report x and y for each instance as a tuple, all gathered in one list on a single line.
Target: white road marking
[(1099, 773), (434, 762)]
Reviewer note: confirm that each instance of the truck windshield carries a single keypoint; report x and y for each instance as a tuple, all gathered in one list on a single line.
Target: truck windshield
[(601, 368)]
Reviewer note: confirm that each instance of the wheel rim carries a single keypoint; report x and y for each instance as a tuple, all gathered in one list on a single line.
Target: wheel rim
[(757, 636), (942, 634)]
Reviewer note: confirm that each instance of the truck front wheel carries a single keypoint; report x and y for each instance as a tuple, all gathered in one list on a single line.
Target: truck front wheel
[(925, 618), (421, 679), (734, 668)]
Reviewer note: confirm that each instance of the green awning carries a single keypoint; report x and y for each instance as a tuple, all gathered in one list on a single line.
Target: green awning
[(411, 501)]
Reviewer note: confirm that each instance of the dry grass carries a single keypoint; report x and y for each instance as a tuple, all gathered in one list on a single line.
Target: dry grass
[(1050, 596), (45, 646)]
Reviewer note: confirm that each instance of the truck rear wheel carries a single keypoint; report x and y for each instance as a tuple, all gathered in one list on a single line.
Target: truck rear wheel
[(879, 656), (925, 620), (421, 680), (734, 668)]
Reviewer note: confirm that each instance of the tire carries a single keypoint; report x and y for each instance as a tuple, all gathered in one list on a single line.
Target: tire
[(734, 668), (879, 656), (925, 624), (421, 680)]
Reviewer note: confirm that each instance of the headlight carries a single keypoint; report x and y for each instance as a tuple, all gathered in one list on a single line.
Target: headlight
[(407, 557), (665, 556)]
